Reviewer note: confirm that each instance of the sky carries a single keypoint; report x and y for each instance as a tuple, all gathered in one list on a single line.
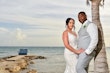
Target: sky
[(41, 23)]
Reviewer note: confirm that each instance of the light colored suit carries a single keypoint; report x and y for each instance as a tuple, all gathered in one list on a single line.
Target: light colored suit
[(88, 39)]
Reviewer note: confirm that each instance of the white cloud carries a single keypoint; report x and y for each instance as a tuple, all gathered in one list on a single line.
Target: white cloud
[(19, 34), (3, 29)]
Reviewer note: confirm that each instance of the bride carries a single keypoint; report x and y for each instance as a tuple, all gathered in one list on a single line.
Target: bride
[(70, 42)]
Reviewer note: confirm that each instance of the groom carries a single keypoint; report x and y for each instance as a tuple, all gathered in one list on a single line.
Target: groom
[(88, 39)]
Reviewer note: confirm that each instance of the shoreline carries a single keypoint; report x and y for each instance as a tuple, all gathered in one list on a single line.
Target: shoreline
[(17, 63), (55, 62)]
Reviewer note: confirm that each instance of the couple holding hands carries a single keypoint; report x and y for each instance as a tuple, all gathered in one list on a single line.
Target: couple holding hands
[(79, 48)]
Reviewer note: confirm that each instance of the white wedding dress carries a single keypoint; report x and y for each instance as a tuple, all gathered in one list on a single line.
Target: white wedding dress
[(71, 57)]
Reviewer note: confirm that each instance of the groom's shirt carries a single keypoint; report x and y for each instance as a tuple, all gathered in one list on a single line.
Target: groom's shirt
[(92, 31)]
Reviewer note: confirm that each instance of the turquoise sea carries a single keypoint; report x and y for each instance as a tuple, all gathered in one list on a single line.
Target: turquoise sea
[(54, 63)]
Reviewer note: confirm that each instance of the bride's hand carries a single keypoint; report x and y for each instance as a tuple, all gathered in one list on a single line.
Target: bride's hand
[(80, 51)]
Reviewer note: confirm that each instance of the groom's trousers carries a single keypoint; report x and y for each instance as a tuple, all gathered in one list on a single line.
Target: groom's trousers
[(83, 62)]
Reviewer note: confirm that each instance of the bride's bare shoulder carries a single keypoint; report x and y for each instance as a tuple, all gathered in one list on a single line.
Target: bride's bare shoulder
[(65, 32)]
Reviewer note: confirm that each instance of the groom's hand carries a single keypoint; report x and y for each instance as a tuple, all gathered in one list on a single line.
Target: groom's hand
[(80, 51), (84, 51)]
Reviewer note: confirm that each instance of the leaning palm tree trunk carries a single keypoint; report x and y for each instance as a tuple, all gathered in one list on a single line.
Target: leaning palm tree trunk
[(100, 64)]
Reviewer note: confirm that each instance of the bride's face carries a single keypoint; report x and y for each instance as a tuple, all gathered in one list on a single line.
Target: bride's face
[(71, 24)]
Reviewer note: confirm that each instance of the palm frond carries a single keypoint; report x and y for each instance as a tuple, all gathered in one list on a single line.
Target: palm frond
[(102, 3), (87, 2)]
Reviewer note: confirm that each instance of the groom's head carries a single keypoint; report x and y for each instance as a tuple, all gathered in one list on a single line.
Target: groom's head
[(82, 17)]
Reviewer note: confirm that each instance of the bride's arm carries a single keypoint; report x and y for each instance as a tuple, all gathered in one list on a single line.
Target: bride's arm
[(66, 43)]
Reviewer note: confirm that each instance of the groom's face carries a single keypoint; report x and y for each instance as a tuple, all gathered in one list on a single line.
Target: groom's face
[(81, 18)]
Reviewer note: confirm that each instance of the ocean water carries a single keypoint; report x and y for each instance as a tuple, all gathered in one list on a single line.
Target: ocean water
[(54, 63)]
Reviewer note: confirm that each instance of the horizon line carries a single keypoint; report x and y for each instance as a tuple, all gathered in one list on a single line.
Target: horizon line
[(38, 46)]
